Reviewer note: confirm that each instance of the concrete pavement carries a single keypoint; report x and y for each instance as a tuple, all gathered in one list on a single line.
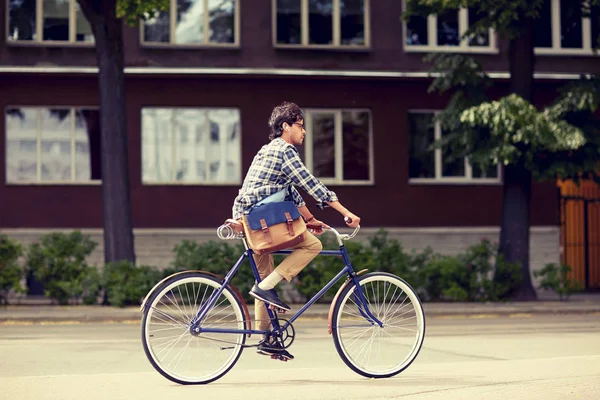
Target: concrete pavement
[(42, 312)]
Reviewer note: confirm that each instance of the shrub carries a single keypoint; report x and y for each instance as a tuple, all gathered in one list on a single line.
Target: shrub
[(475, 275), (11, 272), (58, 261), (215, 257), (557, 279), (126, 284)]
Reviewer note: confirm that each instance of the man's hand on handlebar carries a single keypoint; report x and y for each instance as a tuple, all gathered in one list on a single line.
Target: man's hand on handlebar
[(316, 227), (352, 220)]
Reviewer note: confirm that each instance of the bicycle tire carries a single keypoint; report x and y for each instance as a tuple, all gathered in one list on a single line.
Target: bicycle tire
[(164, 290), (355, 313)]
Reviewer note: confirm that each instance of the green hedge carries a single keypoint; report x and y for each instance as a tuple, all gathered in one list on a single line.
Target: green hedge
[(58, 260), (10, 271)]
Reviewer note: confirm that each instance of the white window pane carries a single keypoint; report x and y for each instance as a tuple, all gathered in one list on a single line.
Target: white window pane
[(56, 19), (289, 21), (190, 21), (86, 123), (543, 26), (322, 130), (416, 31), (83, 30), (56, 132), (221, 21), (207, 145), (320, 21), (595, 20), (422, 135), (352, 22), (21, 144), (22, 20), (355, 129), (224, 151), (571, 34), (190, 126), (448, 33), (157, 158), (156, 28)]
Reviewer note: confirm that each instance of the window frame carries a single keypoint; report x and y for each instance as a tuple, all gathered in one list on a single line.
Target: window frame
[(175, 146), (555, 26), (207, 43), (308, 146), (438, 178), (463, 47), (337, 30), (39, 181), (39, 29)]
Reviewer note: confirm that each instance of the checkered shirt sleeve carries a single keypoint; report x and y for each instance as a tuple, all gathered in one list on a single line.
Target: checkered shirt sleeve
[(297, 172)]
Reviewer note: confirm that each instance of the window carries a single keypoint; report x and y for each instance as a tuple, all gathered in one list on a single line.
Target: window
[(444, 33), (194, 23), (191, 146), (564, 30), (52, 145), (47, 21), (338, 146), (321, 23), (427, 165)]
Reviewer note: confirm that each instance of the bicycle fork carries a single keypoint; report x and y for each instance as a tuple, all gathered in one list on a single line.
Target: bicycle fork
[(363, 304)]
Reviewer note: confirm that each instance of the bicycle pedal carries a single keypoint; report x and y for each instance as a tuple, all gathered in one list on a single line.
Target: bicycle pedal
[(277, 309), (278, 357)]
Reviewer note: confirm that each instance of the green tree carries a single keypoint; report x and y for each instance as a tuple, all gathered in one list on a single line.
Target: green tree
[(560, 141), (106, 18)]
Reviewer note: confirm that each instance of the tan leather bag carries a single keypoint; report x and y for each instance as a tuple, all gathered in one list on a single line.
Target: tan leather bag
[(274, 226)]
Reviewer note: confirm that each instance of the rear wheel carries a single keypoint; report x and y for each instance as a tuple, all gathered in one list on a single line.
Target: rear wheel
[(367, 348), (168, 342)]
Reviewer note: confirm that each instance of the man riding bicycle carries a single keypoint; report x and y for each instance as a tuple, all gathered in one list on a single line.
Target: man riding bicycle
[(276, 168)]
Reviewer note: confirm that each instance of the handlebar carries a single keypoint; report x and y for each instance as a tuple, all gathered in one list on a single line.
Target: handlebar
[(339, 236)]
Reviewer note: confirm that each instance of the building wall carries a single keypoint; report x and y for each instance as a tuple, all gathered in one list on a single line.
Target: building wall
[(390, 201), (256, 50)]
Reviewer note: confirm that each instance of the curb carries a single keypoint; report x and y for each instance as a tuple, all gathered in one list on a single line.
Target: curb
[(26, 315)]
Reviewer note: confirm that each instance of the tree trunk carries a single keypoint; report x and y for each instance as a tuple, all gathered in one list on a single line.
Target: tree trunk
[(514, 228), (116, 201)]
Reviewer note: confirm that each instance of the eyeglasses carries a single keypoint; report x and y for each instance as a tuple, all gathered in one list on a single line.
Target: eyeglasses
[(299, 124)]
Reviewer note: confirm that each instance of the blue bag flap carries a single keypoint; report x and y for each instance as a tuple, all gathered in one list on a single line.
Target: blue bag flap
[(272, 213)]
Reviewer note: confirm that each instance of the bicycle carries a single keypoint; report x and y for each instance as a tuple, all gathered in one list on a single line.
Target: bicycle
[(205, 310)]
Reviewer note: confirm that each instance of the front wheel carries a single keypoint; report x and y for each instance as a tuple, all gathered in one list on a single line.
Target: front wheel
[(169, 343), (369, 349)]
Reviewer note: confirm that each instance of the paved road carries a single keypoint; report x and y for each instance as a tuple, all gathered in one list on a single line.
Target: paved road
[(528, 357)]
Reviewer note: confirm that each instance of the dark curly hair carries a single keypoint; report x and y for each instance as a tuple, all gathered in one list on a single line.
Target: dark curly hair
[(285, 112)]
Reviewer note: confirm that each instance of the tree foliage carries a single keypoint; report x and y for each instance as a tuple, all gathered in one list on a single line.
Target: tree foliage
[(560, 141), (132, 11)]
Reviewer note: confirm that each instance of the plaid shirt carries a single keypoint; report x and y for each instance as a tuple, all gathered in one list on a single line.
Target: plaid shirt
[(275, 167)]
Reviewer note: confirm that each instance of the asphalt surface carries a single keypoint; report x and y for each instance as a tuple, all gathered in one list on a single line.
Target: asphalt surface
[(477, 356), (30, 312)]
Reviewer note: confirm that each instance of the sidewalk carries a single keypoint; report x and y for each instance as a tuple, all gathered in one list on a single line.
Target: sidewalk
[(32, 312)]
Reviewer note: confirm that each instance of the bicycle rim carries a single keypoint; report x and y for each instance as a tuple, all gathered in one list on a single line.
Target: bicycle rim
[(367, 348), (170, 346)]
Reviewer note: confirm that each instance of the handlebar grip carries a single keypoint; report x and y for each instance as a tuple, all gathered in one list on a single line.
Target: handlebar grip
[(348, 220)]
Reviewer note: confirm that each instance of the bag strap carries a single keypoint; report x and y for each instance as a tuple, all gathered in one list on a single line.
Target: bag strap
[(265, 230), (290, 223)]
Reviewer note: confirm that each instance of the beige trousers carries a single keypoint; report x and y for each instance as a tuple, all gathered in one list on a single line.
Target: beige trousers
[(291, 266)]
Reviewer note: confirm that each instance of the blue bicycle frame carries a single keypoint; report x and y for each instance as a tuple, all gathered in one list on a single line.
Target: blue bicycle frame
[(347, 270)]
